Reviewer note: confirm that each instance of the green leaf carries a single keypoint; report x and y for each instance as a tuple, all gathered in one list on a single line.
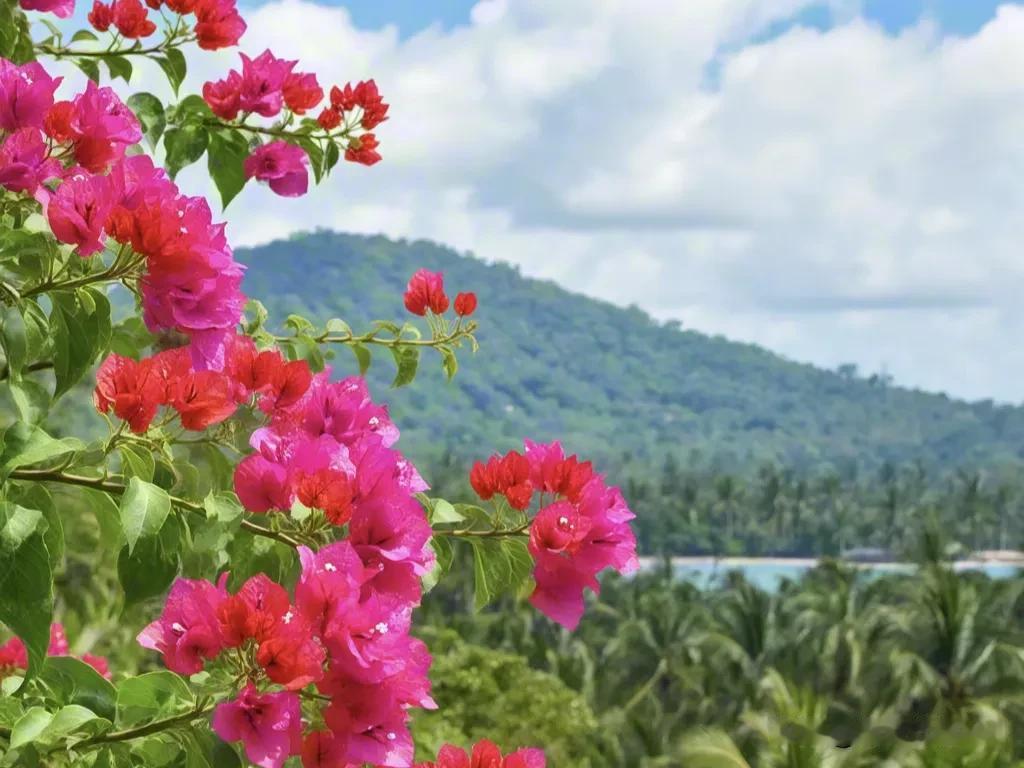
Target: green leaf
[(31, 399), (225, 161), (441, 511), (80, 327), (499, 565), (152, 696), (222, 506), (449, 362), (144, 508), (119, 66), (74, 682), (407, 359), (174, 66), (150, 112), (442, 562), (184, 145), (314, 153), (150, 569), (29, 726), (89, 66), (13, 338), (34, 496), (69, 720), (24, 444), (26, 581), (83, 35), (331, 157), (363, 357), (137, 461)]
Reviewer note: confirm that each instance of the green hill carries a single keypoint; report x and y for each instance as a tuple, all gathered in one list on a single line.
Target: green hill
[(612, 383)]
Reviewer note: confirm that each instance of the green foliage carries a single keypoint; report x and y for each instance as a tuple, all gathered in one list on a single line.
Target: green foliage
[(488, 694)]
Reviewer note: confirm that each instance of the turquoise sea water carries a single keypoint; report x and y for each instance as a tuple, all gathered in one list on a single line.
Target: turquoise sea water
[(768, 575)]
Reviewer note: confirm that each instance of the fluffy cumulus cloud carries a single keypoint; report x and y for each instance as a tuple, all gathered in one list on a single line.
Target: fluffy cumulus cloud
[(838, 195)]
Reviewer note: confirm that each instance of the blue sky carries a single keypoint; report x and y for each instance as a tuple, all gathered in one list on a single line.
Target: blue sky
[(851, 195), (961, 17)]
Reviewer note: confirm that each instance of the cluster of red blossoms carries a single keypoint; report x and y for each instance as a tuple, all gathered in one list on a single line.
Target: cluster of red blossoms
[(486, 754), (372, 111), (425, 291), (581, 527), (265, 86), (136, 389), (71, 156), (346, 632), (218, 23), (14, 657)]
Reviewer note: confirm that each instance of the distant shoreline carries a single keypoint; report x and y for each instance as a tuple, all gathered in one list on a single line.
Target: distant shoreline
[(725, 563)]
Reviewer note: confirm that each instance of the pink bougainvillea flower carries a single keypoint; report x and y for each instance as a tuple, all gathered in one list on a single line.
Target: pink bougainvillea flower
[(102, 128), (24, 161), (263, 82), (188, 632), (269, 725), (26, 94), (426, 291), (282, 166), (62, 9), (262, 485), (78, 210), (329, 584)]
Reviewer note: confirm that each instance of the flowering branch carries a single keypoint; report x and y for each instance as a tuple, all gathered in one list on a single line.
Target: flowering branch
[(149, 729), (118, 489)]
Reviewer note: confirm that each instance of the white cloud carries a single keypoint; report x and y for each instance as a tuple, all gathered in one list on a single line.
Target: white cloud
[(837, 196)]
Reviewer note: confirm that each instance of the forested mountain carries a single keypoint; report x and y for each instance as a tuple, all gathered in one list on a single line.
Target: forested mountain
[(612, 382)]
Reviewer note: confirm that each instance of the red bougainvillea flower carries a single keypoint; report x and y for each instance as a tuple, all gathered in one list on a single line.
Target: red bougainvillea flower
[(218, 24), (426, 291), (363, 150), (132, 20), (224, 96), (486, 755), (302, 92), (202, 398), (134, 390), (14, 656), (62, 9), (329, 119), (322, 749), (282, 166), (365, 96), (465, 304), (508, 475), (327, 490), (26, 94), (101, 16), (269, 725)]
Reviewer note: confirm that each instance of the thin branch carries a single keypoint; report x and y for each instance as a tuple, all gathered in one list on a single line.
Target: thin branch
[(521, 530), (103, 484)]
